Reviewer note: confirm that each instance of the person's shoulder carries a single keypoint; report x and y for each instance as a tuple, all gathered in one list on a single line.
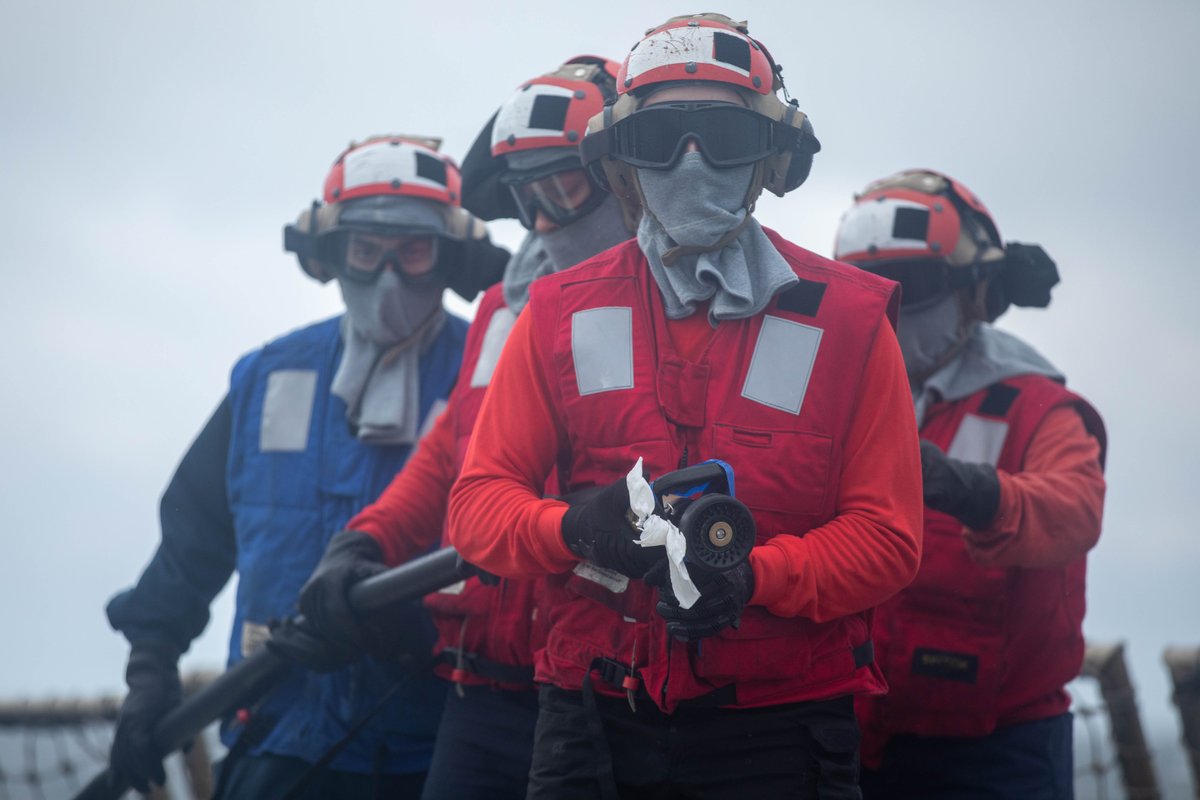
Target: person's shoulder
[(807, 264), (306, 337), (618, 259)]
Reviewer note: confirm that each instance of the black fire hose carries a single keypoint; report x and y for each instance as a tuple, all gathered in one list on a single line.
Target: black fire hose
[(250, 678)]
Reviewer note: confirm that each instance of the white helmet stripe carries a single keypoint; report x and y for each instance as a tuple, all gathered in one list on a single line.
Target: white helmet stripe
[(384, 162), (540, 110), (874, 224), (702, 45)]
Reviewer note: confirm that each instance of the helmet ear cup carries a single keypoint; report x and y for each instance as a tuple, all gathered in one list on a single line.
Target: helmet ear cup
[(807, 146), (304, 238)]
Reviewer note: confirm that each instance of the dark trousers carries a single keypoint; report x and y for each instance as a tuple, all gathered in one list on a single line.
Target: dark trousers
[(270, 777), (484, 745), (1030, 761), (800, 750)]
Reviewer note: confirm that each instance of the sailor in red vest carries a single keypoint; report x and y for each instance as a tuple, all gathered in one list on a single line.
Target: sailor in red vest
[(978, 649), (707, 337), (524, 164)]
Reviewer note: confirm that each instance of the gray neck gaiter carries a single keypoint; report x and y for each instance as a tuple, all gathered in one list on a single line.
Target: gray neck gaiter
[(386, 328), (695, 205), (541, 254)]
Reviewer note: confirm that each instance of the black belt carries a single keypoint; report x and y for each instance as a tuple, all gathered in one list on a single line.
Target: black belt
[(484, 667)]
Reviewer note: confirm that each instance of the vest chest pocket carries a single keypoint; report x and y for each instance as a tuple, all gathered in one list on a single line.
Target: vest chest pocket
[(784, 472)]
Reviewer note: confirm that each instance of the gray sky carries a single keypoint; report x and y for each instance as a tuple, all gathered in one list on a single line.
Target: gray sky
[(150, 153)]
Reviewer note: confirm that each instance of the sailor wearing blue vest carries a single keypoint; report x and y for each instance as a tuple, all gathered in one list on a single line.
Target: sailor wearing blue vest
[(315, 425)]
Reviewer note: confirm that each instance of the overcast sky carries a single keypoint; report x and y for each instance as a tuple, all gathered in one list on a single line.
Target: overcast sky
[(150, 153)]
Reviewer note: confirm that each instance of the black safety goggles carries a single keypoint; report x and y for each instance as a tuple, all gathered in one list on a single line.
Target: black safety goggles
[(922, 283), (727, 135), (562, 195), (361, 256)]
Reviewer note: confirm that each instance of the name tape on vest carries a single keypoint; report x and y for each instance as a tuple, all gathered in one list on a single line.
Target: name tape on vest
[(602, 348), (287, 411), (499, 326), (961, 667), (782, 364), (610, 579), (979, 440)]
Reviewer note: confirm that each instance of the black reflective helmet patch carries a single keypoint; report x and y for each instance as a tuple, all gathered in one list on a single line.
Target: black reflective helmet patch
[(911, 223), (549, 112), (431, 169), (732, 50)]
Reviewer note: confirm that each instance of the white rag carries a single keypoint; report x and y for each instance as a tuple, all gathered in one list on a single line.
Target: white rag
[(659, 532)]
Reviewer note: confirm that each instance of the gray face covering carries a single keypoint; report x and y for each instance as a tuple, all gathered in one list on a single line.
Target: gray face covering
[(387, 326), (603, 228), (928, 336), (691, 207)]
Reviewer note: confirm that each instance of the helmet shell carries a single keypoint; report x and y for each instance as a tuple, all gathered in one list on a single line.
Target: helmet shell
[(553, 110), (917, 214), (703, 47), (395, 166)]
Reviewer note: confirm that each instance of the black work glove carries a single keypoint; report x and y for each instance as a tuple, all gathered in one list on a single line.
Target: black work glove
[(350, 557), (154, 689), (601, 530), (723, 595), (968, 492), (300, 642)]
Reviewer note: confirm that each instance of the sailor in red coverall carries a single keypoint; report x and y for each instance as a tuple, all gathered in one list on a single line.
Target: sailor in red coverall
[(707, 337), (978, 649), (525, 164)]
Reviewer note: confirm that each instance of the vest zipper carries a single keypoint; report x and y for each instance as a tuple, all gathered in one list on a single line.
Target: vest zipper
[(683, 458)]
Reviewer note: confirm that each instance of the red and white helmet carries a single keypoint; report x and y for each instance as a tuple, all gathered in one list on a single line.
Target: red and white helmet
[(371, 186), (917, 214), (536, 132), (553, 110), (711, 48), (699, 47)]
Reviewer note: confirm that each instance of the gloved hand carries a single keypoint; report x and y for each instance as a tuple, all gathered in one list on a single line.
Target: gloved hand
[(154, 689), (600, 530), (301, 643), (723, 595), (968, 492), (349, 557)]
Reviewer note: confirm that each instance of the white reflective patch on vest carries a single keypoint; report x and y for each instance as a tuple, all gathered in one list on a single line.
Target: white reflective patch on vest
[(602, 347), (610, 579), (254, 636), (782, 364), (435, 410), (873, 225), (979, 440), (454, 588), (287, 411), (498, 329)]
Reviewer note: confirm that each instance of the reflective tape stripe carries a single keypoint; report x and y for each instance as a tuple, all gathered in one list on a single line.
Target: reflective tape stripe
[(873, 225), (254, 636), (602, 347), (287, 410), (385, 162), (498, 329), (782, 364), (979, 440)]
